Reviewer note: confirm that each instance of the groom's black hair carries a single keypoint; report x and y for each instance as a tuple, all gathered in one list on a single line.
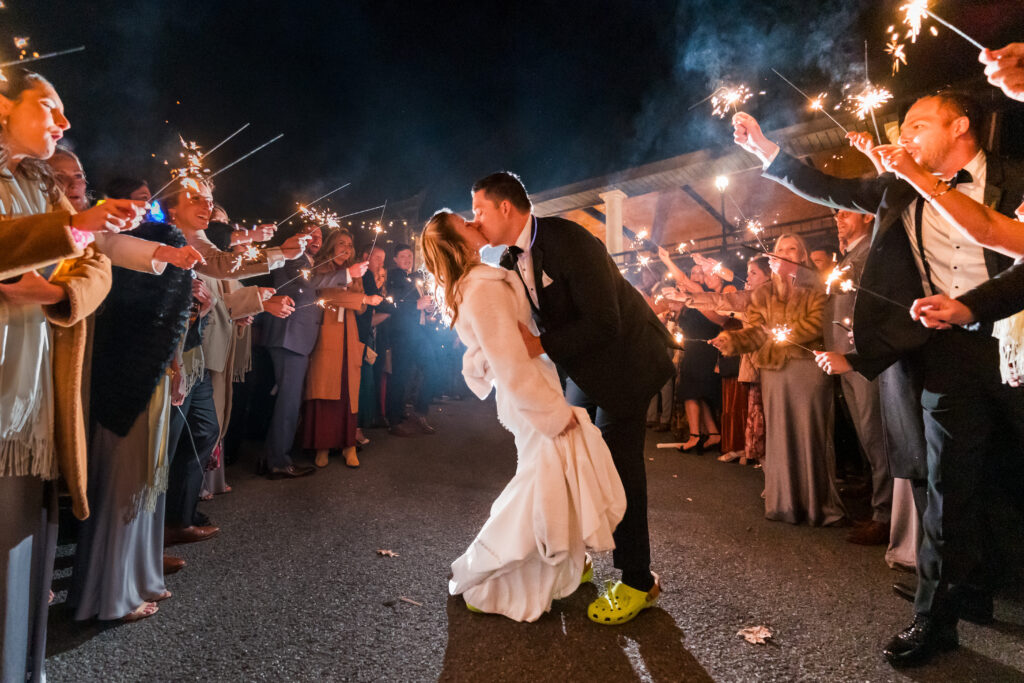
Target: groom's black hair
[(504, 185)]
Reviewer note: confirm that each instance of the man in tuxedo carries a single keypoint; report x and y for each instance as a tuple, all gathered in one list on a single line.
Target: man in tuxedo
[(967, 410), (602, 335)]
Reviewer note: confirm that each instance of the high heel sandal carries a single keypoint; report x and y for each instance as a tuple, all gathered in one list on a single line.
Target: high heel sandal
[(708, 446), (695, 448)]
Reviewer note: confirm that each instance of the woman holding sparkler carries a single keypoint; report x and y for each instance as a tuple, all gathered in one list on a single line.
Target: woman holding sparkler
[(42, 337), (700, 386), (566, 494), (799, 461), (331, 411)]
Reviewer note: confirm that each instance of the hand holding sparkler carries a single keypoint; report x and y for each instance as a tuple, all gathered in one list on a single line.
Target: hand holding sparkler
[(724, 343), (357, 270), (113, 215), (294, 246), (185, 257), (898, 160), (865, 144), (832, 363), (279, 306), (748, 135), (262, 233), (1005, 69), (940, 312)]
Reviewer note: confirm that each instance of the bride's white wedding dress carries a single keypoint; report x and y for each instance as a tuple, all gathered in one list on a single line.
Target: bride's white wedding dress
[(565, 496)]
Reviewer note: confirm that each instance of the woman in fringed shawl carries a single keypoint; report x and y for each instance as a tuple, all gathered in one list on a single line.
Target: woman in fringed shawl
[(42, 337), (119, 571)]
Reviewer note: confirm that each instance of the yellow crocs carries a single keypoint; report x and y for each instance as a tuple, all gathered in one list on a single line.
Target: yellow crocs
[(588, 569), (620, 603)]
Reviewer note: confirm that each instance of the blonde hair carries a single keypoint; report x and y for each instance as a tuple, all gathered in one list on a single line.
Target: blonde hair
[(447, 257)]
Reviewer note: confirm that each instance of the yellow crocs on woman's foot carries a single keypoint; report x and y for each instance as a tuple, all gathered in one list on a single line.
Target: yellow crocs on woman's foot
[(619, 603)]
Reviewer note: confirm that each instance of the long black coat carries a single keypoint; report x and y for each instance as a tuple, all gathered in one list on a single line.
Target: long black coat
[(595, 325)]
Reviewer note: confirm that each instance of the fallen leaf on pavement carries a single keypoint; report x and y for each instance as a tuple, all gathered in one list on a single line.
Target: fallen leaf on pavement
[(755, 635), (387, 553)]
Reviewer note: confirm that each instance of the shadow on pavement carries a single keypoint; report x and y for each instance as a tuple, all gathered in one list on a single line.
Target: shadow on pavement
[(564, 645)]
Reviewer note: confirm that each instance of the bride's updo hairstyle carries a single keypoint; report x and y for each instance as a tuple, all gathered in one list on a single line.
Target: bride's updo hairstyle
[(447, 257)]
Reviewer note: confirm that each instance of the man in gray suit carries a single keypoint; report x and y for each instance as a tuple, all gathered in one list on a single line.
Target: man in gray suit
[(861, 394), (290, 341)]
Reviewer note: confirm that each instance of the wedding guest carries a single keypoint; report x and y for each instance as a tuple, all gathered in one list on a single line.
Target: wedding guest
[(699, 386), (43, 334), (373, 333), (289, 341), (331, 408), (799, 462), (128, 188), (968, 411), (862, 395), (1005, 69), (119, 560), (408, 349)]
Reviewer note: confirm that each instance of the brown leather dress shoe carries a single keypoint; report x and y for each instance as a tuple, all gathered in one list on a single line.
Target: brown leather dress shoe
[(872, 533), (173, 564), (189, 534), (291, 472), (422, 425)]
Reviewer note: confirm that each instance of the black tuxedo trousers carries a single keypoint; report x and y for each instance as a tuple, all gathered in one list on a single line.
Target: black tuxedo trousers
[(974, 426)]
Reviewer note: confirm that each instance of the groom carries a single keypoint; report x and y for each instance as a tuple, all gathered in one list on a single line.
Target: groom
[(605, 338)]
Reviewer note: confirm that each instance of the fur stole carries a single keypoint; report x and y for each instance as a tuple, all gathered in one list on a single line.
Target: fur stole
[(137, 330)]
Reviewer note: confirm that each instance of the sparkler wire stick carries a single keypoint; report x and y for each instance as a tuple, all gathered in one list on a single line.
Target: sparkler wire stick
[(323, 196), (372, 208), (48, 55), (867, 79), (380, 226), (811, 100), (246, 156), (691, 108), (215, 147), (954, 29), (221, 143), (303, 272)]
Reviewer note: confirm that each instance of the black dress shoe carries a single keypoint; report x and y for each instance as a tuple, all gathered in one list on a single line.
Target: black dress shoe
[(920, 641), (291, 472), (905, 591)]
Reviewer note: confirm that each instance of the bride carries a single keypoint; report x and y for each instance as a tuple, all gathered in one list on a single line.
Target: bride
[(566, 495)]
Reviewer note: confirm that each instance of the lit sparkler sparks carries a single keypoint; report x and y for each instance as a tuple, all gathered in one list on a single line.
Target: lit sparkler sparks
[(678, 336), (684, 247), (896, 50), (21, 42), (816, 103), (914, 14), (781, 335), (726, 98), (756, 228), (310, 204), (866, 102), (834, 277)]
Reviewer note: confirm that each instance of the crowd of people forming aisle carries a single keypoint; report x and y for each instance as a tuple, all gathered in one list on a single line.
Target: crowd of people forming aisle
[(138, 353)]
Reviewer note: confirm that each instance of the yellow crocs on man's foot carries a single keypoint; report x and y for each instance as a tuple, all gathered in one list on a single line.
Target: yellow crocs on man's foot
[(620, 603)]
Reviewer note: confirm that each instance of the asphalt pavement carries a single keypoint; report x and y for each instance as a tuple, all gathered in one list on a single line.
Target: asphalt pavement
[(295, 586)]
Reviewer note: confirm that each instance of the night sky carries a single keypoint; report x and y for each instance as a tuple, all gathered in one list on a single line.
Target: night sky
[(404, 97)]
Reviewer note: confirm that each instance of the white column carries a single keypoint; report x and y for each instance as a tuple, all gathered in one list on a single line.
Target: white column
[(613, 220)]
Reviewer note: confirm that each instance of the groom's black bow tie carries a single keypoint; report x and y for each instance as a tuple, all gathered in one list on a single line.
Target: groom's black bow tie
[(962, 176), (509, 258)]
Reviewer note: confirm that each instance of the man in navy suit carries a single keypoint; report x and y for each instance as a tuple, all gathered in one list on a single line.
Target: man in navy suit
[(289, 342), (601, 334), (970, 416)]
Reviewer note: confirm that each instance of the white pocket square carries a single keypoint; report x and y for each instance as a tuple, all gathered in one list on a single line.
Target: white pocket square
[(544, 279)]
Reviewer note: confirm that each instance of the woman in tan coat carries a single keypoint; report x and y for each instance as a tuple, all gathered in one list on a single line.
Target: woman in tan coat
[(331, 410), (42, 342)]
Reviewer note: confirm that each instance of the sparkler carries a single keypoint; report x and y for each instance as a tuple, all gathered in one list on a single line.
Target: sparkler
[(193, 168), (895, 49), (36, 58), (846, 285), (780, 335), (914, 13), (756, 227), (379, 228), (247, 155), (817, 103), (725, 98), (867, 101), (301, 208)]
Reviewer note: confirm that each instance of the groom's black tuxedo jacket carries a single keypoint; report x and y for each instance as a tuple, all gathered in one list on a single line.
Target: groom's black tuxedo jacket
[(884, 332), (595, 325)]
